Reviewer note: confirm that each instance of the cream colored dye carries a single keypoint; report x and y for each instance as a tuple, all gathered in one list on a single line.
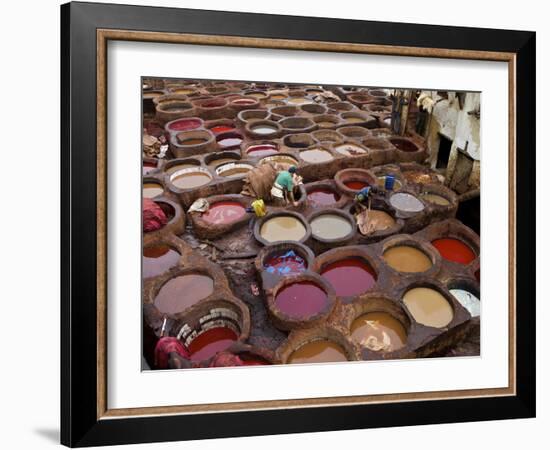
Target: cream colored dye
[(436, 199), (299, 100), (350, 149), (151, 190), (316, 155), (177, 167), (219, 162), (191, 180), (404, 258), (428, 307), (354, 119), (283, 228), (330, 226)]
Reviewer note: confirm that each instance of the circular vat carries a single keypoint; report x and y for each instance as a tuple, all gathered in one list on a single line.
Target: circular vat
[(266, 129), (184, 124), (379, 221), (466, 292), (233, 170), (354, 132), (301, 300), (259, 149), (356, 118), (221, 126), (377, 143), (182, 291), (438, 196), (407, 256), (349, 275), (351, 181), (171, 110), (150, 94), (181, 163), (282, 226), (405, 203), (332, 225), (156, 215), (298, 124), (224, 212), (284, 160), (213, 326), (350, 149), (341, 106), (258, 95), (327, 136), (313, 108), (429, 306), (378, 93), (183, 90), (298, 100), (285, 111), (359, 98), (326, 121), (379, 325), (230, 140), (158, 258), (404, 144), (417, 174), (322, 195), (219, 158), (316, 155), (191, 178), (252, 114), (152, 188), (284, 259), (195, 139), (244, 102), (455, 249), (300, 140)]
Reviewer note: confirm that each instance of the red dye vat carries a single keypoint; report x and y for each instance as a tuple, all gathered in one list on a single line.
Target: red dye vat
[(221, 129), (224, 212), (301, 299), (185, 124), (356, 185), (454, 250), (351, 276), (262, 150), (323, 197), (210, 342), (285, 263), (157, 259), (148, 167), (244, 101)]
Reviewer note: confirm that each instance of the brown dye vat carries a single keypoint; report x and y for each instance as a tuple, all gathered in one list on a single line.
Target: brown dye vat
[(298, 140), (157, 259), (299, 100), (170, 170), (152, 94), (316, 155), (330, 227), (379, 332), (435, 199), (192, 141), (428, 307), (349, 149), (379, 220), (219, 162), (282, 228), (183, 291), (284, 160), (404, 145), (405, 258), (320, 350), (233, 170), (191, 179), (151, 190)]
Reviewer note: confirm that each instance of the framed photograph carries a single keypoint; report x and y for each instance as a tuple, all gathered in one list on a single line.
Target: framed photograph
[(278, 224)]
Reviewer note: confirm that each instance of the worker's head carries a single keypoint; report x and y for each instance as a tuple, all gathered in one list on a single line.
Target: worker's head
[(292, 169), (360, 197)]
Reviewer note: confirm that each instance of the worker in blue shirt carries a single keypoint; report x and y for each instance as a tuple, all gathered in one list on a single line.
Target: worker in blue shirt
[(283, 188)]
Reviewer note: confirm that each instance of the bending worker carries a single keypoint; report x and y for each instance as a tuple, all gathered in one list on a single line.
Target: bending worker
[(363, 197), (282, 191)]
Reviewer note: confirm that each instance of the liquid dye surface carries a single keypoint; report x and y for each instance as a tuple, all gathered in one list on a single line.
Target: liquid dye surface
[(151, 190), (283, 160), (299, 100), (379, 332), (185, 125), (235, 172), (428, 307), (301, 299), (182, 292), (219, 162), (177, 167), (283, 228), (350, 276), (210, 342), (326, 124), (330, 226), (406, 202), (355, 185), (221, 129), (435, 199), (323, 197), (261, 150), (224, 213), (191, 180), (468, 300), (264, 129), (350, 149), (354, 119), (230, 142), (157, 259), (316, 155), (286, 262), (194, 141), (404, 258), (321, 350), (454, 250)]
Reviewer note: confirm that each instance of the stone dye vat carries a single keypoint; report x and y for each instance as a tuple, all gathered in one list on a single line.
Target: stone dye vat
[(316, 155), (233, 170), (379, 332), (190, 178), (182, 292), (428, 307), (210, 342), (151, 189), (285, 262), (224, 212), (262, 149), (435, 199), (319, 350), (467, 299), (331, 227), (301, 299), (158, 258), (377, 220), (406, 203), (405, 258), (454, 250), (283, 227), (349, 276), (322, 197)]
